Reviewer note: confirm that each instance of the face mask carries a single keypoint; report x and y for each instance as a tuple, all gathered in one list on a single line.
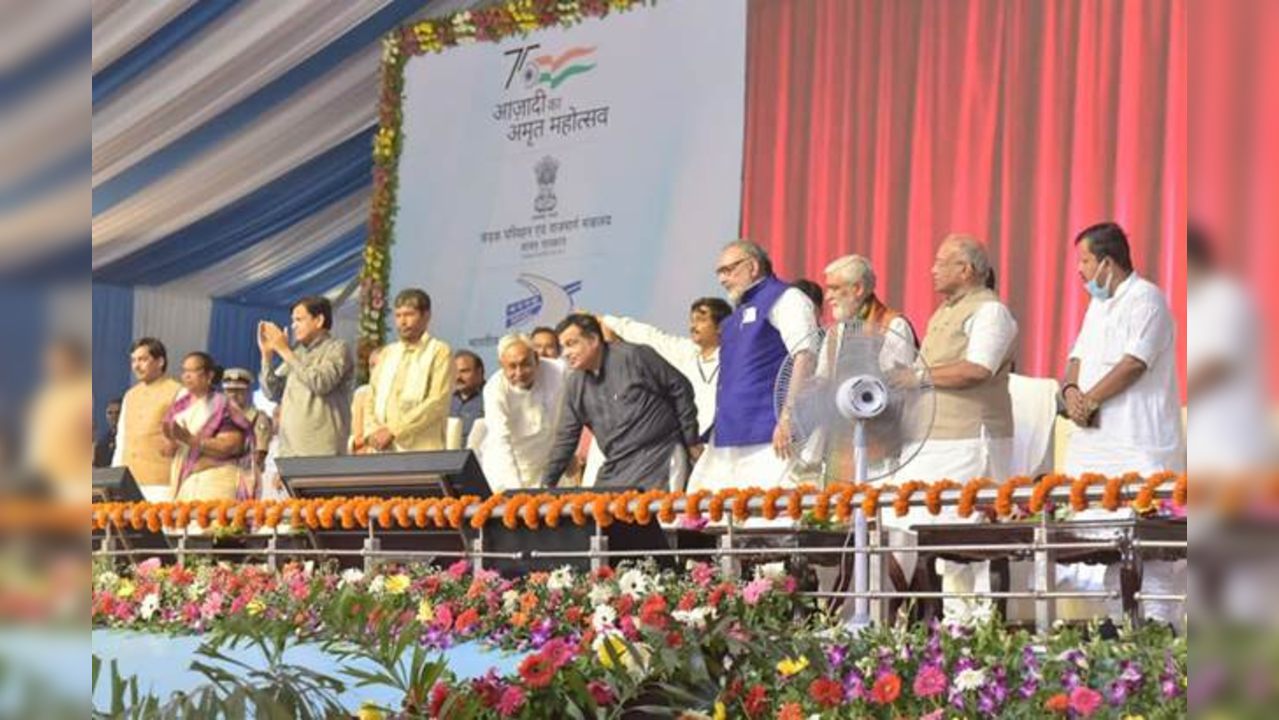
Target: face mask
[(1100, 291)]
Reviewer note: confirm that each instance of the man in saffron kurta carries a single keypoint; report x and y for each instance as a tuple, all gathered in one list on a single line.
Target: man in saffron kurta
[(140, 444)]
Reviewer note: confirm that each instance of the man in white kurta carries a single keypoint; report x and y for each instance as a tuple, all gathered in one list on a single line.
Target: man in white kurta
[(695, 356), (749, 444), (1121, 392), (522, 406)]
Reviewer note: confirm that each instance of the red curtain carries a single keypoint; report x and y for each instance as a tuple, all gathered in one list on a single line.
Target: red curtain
[(879, 126), (1234, 143)]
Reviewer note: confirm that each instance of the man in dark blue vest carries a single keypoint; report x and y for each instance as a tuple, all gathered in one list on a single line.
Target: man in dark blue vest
[(749, 444)]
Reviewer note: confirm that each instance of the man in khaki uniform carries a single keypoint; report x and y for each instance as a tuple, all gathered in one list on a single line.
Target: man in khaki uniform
[(140, 444), (408, 406)]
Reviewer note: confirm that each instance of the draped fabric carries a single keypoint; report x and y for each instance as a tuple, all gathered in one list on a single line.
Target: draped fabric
[(232, 340), (112, 337), (879, 126), (1234, 148)]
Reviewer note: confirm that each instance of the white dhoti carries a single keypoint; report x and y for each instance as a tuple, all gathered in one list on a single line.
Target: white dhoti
[(961, 461), (745, 466), (1090, 452)]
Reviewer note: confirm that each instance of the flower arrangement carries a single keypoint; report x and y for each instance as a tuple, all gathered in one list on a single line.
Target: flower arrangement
[(693, 643)]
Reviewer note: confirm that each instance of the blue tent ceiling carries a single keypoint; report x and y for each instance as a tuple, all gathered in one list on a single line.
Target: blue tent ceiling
[(231, 141)]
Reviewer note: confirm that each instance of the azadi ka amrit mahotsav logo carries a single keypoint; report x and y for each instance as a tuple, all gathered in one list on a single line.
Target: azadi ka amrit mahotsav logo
[(555, 70)]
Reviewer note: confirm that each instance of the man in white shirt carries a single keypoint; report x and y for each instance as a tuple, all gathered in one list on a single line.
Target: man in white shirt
[(696, 356), (1228, 424), (522, 406), (749, 444), (1121, 392), (1121, 383)]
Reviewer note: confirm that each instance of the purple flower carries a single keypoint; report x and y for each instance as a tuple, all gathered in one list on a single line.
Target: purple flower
[(986, 703), (835, 656), (1168, 687), (854, 686), (1118, 694), (1028, 688)]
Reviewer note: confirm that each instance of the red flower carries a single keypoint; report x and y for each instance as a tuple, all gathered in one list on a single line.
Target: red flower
[(886, 689), (537, 670), (601, 693), (790, 711), (826, 692), (439, 694), (756, 701), (1058, 703), (1085, 701), (603, 573), (674, 639), (653, 612), (574, 615), (688, 601), (468, 618), (625, 604)]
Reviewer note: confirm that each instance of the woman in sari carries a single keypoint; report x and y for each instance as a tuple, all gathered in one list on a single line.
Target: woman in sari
[(211, 440)]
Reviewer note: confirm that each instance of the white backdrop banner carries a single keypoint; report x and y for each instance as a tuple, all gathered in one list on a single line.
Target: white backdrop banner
[(594, 167)]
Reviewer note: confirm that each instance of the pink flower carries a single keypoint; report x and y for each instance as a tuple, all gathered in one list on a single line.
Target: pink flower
[(212, 606), (703, 574), (755, 590), (146, 569), (930, 682), (511, 701), (1084, 700), (688, 523), (444, 617), (459, 569), (938, 714), (601, 693), (789, 584)]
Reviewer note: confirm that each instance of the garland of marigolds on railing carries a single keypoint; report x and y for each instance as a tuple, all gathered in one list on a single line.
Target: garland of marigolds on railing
[(839, 500), (491, 24)]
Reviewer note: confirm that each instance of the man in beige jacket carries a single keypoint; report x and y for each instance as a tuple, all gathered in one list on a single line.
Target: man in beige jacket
[(408, 406)]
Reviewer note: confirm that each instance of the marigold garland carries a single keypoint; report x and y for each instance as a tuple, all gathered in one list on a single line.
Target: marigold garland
[(968, 496), (901, 502), (932, 498), (534, 511)]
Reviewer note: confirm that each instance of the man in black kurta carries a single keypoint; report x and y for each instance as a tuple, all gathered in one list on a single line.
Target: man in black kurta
[(639, 407)]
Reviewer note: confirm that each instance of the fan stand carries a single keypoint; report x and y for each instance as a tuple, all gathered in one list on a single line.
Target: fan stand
[(861, 399)]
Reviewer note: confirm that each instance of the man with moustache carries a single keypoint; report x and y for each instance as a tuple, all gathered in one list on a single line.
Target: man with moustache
[(522, 407), (140, 444)]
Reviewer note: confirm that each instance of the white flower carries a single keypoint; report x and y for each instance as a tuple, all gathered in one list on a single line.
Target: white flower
[(633, 583), (970, 679), (600, 595), (378, 586), (977, 613), (603, 618), (510, 600), (351, 576), (108, 581), (308, 568), (771, 571), (561, 579), (695, 618), (149, 605), (195, 590)]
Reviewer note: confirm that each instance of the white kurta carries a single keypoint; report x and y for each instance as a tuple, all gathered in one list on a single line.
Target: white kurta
[(795, 319), (1228, 428), (520, 427), (681, 352), (1138, 430)]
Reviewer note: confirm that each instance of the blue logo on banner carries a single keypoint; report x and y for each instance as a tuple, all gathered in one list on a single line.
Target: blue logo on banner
[(548, 303)]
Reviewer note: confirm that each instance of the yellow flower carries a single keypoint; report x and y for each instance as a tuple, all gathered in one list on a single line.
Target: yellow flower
[(615, 643), (425, 613), (790, 667), (398, 584), (255, 607), (126, 589), (721, 711), (369, 711), (1134, 717)]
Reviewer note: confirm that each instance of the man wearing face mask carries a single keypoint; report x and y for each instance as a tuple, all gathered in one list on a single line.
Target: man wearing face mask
[(1121, 383), (522, 407)]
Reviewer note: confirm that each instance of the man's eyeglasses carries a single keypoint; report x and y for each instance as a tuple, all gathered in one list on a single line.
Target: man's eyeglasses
[(728, 269)]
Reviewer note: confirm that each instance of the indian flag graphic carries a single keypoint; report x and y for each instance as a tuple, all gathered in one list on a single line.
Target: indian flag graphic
[(553, 70)]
